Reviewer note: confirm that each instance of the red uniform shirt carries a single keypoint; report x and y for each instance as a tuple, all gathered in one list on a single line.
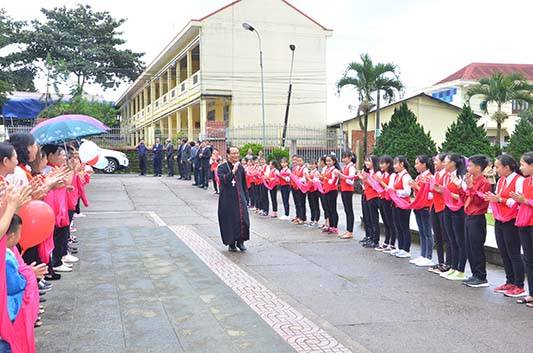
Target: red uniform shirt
[(438, 201), (504, 189), (345, 186), (330, 181), (528, 193), (369, 191), (474, 204), (427, 174)]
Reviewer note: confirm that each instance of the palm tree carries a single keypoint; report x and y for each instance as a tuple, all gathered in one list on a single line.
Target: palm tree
[(369, 78), (501, 89)]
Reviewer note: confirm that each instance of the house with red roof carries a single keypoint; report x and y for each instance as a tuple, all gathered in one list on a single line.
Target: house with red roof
[(208, 77), (453, 88)]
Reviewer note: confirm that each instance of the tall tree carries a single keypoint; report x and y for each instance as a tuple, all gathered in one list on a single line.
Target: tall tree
[(501, 89), (15, 72), (464, 136), (87, 44), (368, 78), (522, 139), (403, 135)]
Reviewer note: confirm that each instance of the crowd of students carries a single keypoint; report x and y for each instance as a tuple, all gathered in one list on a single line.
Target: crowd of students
[(55, 175), (450, 198)]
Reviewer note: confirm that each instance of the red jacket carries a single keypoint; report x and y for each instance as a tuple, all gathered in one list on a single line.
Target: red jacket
[(475, 204)]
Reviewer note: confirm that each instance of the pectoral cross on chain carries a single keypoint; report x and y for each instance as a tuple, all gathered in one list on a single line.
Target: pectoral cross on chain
[(233, 182)]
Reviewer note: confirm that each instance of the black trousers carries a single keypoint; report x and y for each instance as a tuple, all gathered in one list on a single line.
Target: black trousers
[(401, 223), (385, 208), (347, 202), (454, 223), (331, 202), (526, 238), (253, 197), (61, 236), (299, 200), (204, 171), (371, 218), (196, 171), (142, 164), (158, 166), (31, 255), (324, 206), (437, 222), (285, 192), (274, 198), (170, 165), (185, 170), (509, 245), (215, 184), (263, 198), (314, 205), (475, 235)]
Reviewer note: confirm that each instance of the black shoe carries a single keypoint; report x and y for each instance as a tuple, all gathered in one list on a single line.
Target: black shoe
[(194, 184), (241, 246), (52, 277), (232, 248), (364, 240), (474, 282), (42, 300), (205, 187), (370, 245)]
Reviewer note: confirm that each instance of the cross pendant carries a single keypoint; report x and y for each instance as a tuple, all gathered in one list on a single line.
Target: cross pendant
[(233, 182)]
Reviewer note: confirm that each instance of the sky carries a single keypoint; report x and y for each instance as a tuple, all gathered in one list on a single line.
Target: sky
[(427, 39)]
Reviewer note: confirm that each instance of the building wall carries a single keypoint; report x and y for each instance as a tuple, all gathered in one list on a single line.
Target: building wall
[(434, 116), (230, 63)]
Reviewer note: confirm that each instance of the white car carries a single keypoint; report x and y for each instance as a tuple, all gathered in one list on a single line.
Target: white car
[(117, 160)]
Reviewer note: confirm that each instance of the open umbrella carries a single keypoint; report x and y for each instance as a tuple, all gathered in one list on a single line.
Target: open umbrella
[(67, 128)]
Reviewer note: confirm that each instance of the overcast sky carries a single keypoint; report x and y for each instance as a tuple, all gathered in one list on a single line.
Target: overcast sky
[(427, 39)]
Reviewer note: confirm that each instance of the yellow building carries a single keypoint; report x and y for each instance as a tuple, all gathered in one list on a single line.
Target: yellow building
[(433, 114), (208, 76)]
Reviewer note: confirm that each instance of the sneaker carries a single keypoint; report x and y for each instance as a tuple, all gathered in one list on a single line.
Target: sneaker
[(333, 231), (435, 269), (381, 247), (283, 218), (69, 258), (425, 263), (73, 230), (416, 261), (389, 249), (403, 255), (503, 288), (364, 240), (476, 283), (447, 273), (394, 252), (62, 268), (515, 292), (79, 215), (44, 288), (456, 276), (370, 245)]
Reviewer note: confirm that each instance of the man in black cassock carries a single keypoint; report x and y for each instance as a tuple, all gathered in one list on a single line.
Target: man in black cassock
[(233, 216)]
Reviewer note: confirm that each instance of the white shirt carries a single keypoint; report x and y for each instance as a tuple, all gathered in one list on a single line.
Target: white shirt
[(351, 172), (18, 179), (519, 187), (406, 178)]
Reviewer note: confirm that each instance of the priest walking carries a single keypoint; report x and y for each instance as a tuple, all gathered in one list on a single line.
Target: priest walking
[(233, 216)]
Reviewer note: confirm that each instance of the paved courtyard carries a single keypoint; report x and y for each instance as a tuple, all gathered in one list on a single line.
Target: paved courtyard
[(154, 277)]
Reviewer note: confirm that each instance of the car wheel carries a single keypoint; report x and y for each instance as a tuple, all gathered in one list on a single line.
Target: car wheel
[(111, 167)]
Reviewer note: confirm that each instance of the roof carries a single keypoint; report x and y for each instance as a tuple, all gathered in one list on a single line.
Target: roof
[(475, 71), (422, 94), (284, 1)]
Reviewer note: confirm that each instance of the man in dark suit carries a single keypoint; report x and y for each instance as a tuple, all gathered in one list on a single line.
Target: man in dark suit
[(185, 156), (142, 152), (195, 161), (169, 147), (157, 151), (205, 156)]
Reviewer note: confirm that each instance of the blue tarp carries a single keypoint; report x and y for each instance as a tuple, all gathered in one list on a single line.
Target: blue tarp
[(22, 108)]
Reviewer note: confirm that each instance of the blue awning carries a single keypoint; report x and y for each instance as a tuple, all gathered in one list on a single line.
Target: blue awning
[(22, 108)]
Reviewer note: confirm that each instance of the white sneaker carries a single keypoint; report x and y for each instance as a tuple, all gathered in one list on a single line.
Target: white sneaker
[(394, 252), (416, 261), (425, 263), (283, 218), (400, 252), (79, 215), (403, 255), (67, 264), (70, 258), (62, 268)]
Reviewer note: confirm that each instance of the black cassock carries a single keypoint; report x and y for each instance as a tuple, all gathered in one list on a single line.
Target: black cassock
[(233, 218)]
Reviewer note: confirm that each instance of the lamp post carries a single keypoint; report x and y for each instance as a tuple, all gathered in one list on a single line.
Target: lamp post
[(292, 47), (250, 28)]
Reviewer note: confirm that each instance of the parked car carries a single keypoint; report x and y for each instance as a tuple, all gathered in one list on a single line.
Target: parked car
[(117, 160)]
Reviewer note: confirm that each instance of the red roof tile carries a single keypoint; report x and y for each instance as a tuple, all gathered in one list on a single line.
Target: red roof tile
[(475, 71)]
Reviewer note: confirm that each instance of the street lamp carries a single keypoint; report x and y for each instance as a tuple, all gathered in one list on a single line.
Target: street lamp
[(292, 47), (250, 28)]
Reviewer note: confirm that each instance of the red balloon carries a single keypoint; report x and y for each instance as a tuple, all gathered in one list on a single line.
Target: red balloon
[(37, 223), (93, 161)]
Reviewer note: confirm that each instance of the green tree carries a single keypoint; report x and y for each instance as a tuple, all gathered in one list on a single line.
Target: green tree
[(254, 147), (522, 139), (464, 136), (368, 78), (501, 89), (84, 43), (403, 135), (103, 111), (15, 72)]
